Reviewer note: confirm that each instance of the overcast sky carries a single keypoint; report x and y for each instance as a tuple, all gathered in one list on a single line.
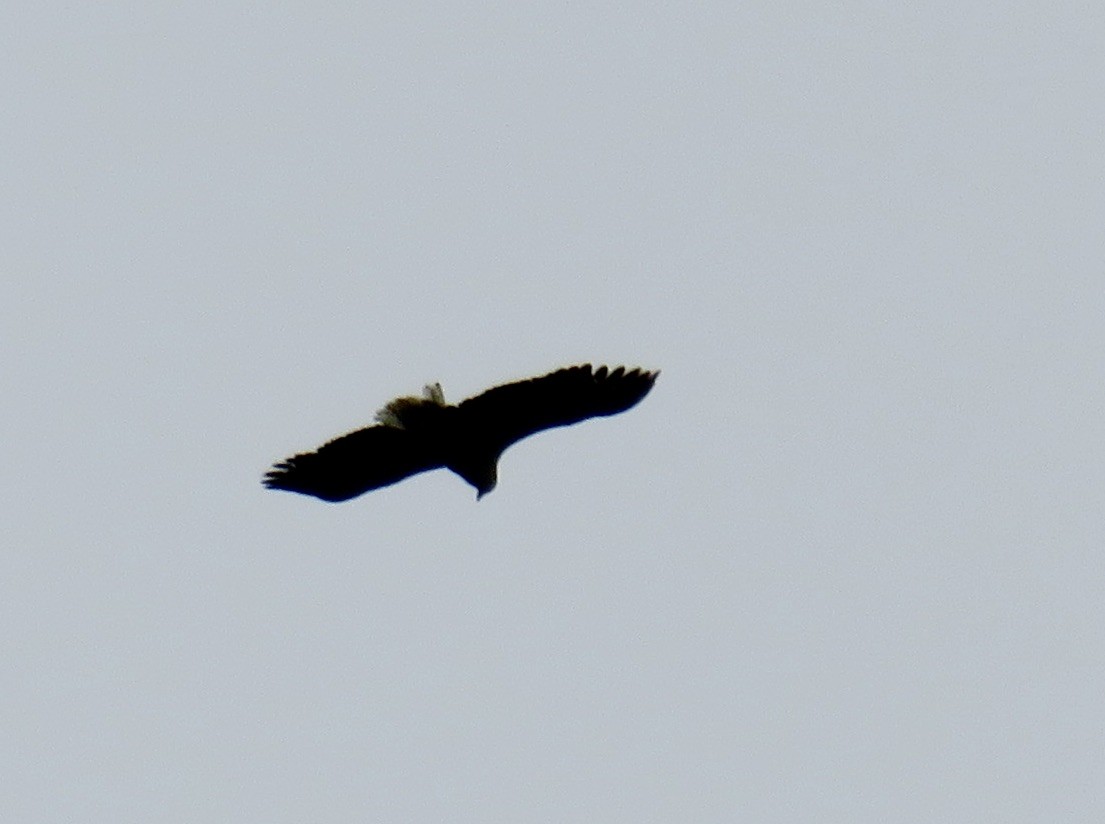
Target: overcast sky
[(844, 564)]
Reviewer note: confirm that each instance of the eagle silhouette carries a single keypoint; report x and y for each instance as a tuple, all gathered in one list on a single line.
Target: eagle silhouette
[(415, 435)]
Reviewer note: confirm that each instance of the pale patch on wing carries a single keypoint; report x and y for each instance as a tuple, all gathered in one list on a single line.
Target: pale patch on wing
[(389, 415)]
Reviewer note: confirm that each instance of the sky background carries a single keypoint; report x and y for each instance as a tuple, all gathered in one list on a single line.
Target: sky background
[(844, 564)]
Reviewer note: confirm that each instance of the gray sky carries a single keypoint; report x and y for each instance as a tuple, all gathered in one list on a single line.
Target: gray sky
[(842, 565)]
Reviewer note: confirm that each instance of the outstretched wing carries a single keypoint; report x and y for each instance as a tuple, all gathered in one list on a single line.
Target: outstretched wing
[(353, 464), (508, 413)]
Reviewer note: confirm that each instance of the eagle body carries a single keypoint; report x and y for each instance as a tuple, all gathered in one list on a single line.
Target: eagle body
[(414, 435)]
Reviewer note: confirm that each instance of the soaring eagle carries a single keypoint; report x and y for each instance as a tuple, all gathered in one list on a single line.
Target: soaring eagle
[(414, 435)]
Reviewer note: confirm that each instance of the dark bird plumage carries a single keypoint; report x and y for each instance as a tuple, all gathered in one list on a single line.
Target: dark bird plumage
[(418, 434)]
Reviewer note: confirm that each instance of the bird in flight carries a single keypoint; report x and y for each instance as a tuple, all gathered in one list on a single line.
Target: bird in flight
[(413, 435)]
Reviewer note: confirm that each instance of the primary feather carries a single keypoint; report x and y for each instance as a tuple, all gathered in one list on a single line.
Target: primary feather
[(418, 434)]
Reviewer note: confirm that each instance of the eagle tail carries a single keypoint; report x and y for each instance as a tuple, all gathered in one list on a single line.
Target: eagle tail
[(400, 412)]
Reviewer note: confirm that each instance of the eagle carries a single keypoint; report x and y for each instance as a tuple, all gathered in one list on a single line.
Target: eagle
[(413, 434)]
